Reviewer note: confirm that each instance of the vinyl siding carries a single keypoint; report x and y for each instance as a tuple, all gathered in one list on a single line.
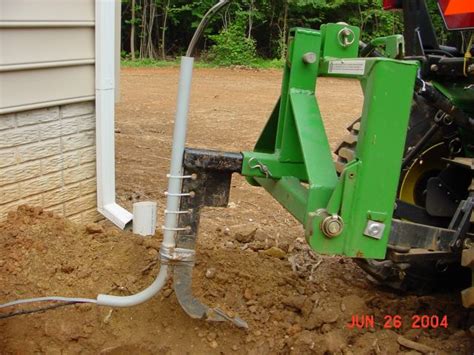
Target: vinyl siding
[(46, 53), (47, 10)]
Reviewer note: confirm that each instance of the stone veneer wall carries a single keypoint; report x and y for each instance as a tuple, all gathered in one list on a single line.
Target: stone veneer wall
[(47, 159)]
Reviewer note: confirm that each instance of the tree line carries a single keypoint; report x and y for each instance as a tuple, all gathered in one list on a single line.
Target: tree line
[(244, 29)]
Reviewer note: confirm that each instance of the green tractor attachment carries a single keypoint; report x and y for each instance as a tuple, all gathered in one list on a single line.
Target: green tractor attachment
[(348, 214), (399, 196)]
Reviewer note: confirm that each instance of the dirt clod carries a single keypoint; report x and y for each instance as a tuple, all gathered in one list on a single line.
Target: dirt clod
[(297, 302), (246, 236), (248, 295), (94, 228), (410, 344), (150, 243), (275, 252), (211, 273), (211, 336)]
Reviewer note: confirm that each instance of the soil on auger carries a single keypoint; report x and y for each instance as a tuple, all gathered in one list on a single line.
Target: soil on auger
[(252, 257)]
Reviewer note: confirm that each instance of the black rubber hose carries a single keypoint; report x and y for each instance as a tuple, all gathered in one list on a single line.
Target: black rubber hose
[(441, 102), (419, 146)]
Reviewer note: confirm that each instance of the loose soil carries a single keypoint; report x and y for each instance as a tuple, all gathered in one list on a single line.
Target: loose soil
[(252, 257)]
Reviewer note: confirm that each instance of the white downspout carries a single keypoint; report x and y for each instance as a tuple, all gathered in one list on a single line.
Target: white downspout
[(105, 43)]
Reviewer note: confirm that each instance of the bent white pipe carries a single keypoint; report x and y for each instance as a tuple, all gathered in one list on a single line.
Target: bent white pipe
[(106, 300), (143, 296), (174, 189)]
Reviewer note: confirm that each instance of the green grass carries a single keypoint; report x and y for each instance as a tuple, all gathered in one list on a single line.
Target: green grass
[(154, 63)]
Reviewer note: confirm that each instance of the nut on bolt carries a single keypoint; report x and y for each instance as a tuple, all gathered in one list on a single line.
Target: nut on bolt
[(332, 226)]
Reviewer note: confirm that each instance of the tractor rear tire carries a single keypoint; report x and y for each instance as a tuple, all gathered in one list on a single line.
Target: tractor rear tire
[(420, 277)]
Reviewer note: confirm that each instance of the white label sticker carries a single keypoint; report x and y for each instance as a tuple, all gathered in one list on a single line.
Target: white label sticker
[(347, 66)]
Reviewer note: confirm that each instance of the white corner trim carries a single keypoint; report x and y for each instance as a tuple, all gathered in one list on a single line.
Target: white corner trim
[(105, 113)]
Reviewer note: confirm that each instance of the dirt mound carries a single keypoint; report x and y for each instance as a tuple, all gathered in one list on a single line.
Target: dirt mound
[(251, 257), (288, 311)]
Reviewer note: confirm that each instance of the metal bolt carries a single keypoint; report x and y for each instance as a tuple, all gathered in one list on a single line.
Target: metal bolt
[(332, 226), (346, 32), (374, 229), (309, 58), (434, 67), (346, 37)]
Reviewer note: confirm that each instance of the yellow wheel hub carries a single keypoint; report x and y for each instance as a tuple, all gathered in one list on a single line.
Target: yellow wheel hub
[(430, 162)]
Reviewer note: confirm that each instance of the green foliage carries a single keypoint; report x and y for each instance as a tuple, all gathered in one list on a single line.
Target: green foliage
[(376, 22), (232, 46), (259, 63), (246, 30), (438, 23), (158, 63)]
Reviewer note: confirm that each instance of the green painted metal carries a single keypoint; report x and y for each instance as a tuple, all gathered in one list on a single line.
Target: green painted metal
[(331, 45), (292, 159), (460, 92), (289, 192), (393, 46)]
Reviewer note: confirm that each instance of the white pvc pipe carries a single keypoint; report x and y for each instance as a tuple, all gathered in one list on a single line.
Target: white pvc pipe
[(174, 189), (179, 140), (144, 218), (143, 296)]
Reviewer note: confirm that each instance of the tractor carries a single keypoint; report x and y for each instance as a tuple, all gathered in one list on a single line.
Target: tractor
[(400, 194), (398, 198)]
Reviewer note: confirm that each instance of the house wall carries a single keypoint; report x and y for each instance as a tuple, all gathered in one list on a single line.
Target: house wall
[(47, 106), (46, 53), (47, 158)]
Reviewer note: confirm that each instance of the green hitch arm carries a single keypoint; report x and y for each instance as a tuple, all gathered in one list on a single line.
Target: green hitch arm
[(350, 214)]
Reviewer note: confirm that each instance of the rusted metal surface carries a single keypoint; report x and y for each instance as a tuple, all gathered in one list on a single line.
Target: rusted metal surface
[(418, 254), (197, 159), (415, 235), (211, 187), (212, 173)]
